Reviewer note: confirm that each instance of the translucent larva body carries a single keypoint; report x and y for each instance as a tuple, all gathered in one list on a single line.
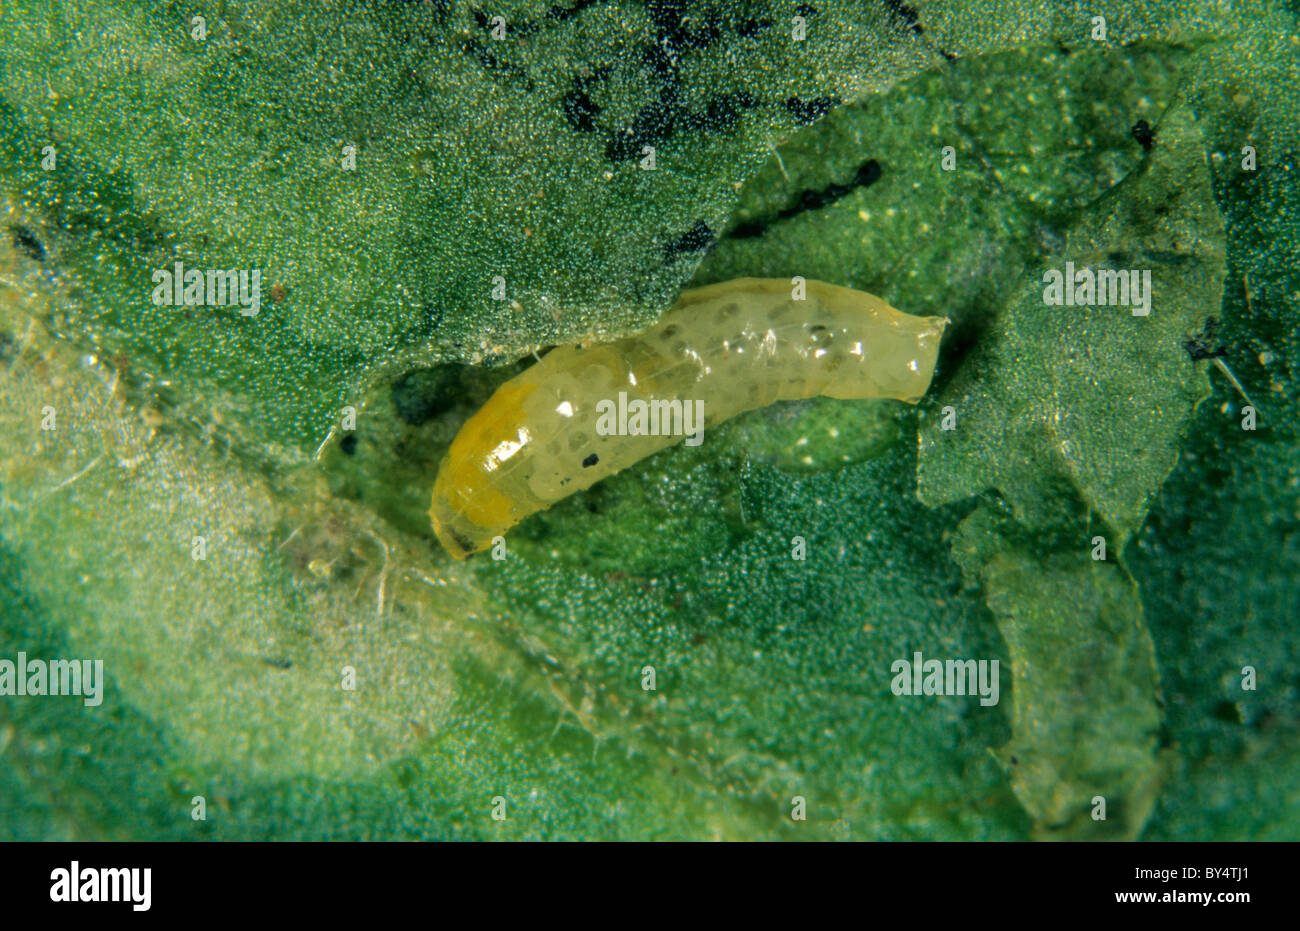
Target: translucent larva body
[(735, 346)]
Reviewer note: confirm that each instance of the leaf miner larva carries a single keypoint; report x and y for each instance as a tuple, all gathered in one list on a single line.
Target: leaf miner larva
[(735, 346)]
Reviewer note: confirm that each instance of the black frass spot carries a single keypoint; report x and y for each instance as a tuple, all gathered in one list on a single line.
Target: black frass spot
[(1228, 712), (1205, 344), (26, 241), (868, 173), (590, 461), (1144, 134), (699, 238), (348, 444)]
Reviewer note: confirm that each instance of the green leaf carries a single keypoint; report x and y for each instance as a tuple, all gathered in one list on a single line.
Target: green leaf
[(1092, 398), (523, 679), (1083, 758)]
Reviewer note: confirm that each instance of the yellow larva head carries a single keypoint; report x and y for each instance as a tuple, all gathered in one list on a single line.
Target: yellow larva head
[(469, 505)]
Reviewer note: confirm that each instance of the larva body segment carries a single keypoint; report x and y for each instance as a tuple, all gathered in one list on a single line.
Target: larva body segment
[(735, 346)]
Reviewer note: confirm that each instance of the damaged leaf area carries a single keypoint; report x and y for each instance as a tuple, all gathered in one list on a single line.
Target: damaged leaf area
[(1075, 404), (1094, 397), (231, 510), (1083, 758), (1081, 774)]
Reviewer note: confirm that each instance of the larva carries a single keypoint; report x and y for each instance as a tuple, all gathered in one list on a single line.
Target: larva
[(734, 346)]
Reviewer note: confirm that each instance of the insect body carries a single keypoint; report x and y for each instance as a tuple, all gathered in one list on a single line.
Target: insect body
[(725, 348)]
